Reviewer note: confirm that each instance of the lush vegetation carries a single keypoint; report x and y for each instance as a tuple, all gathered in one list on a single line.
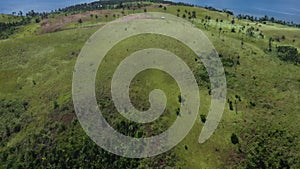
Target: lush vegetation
[(39, 128)]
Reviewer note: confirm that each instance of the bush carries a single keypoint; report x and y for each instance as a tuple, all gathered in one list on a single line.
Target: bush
[(37, 20), (234, 139), (288, 54), (269, 147), (227, 62), (231, 106), (203, 118)]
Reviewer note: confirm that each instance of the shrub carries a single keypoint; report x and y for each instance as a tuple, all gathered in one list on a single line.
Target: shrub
[(288, 54), (230, 105), (203, 118), (234, 139)]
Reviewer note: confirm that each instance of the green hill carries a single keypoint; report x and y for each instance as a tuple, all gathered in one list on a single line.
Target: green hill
[(39, 127)]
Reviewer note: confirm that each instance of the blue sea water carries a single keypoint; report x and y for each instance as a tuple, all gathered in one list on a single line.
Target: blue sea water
[(9, 6), (288, 10)]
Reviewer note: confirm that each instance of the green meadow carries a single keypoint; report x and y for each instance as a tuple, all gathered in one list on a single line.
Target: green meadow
[(259, 127)]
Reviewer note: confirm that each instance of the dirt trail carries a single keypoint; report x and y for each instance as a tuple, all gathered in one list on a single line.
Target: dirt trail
[(61, 23)]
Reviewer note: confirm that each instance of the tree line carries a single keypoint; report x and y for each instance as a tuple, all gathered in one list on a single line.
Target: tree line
[(266, 19)]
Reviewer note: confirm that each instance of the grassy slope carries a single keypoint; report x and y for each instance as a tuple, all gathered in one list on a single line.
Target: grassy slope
[(45, 60), (39, 69)]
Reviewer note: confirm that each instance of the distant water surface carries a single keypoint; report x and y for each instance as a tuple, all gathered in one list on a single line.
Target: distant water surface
[(9, 6), (288, 10)]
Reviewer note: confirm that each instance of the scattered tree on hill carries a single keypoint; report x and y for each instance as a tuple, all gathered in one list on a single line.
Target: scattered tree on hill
[(80, 21), (270, 44), (37, 20), (232, 21), (230, 105), (165, 8), (220, 30), (234, 139), (178, 112), (289, 54), (20, 13), (203, 118), (261, 35), (267, 145)]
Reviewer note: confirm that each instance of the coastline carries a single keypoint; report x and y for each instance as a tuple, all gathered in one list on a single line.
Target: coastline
[(292, 16)]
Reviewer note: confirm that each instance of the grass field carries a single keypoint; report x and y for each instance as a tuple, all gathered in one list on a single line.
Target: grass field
[(39, 127)]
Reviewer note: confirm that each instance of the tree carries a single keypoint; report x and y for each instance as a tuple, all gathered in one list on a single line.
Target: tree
[(261, 35), (270, 44), (230, 105), (20, 13), (233, 22), (183, 16), (194, 15), (178, 10), (80, 21), (203, 118), (267, 145), (178, 112), (288, 53), (37, 20), (234, 139), (220, 30), (165, 8), (145, 10)]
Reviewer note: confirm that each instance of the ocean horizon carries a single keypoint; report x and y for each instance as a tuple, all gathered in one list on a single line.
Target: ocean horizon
[(287, 10)]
